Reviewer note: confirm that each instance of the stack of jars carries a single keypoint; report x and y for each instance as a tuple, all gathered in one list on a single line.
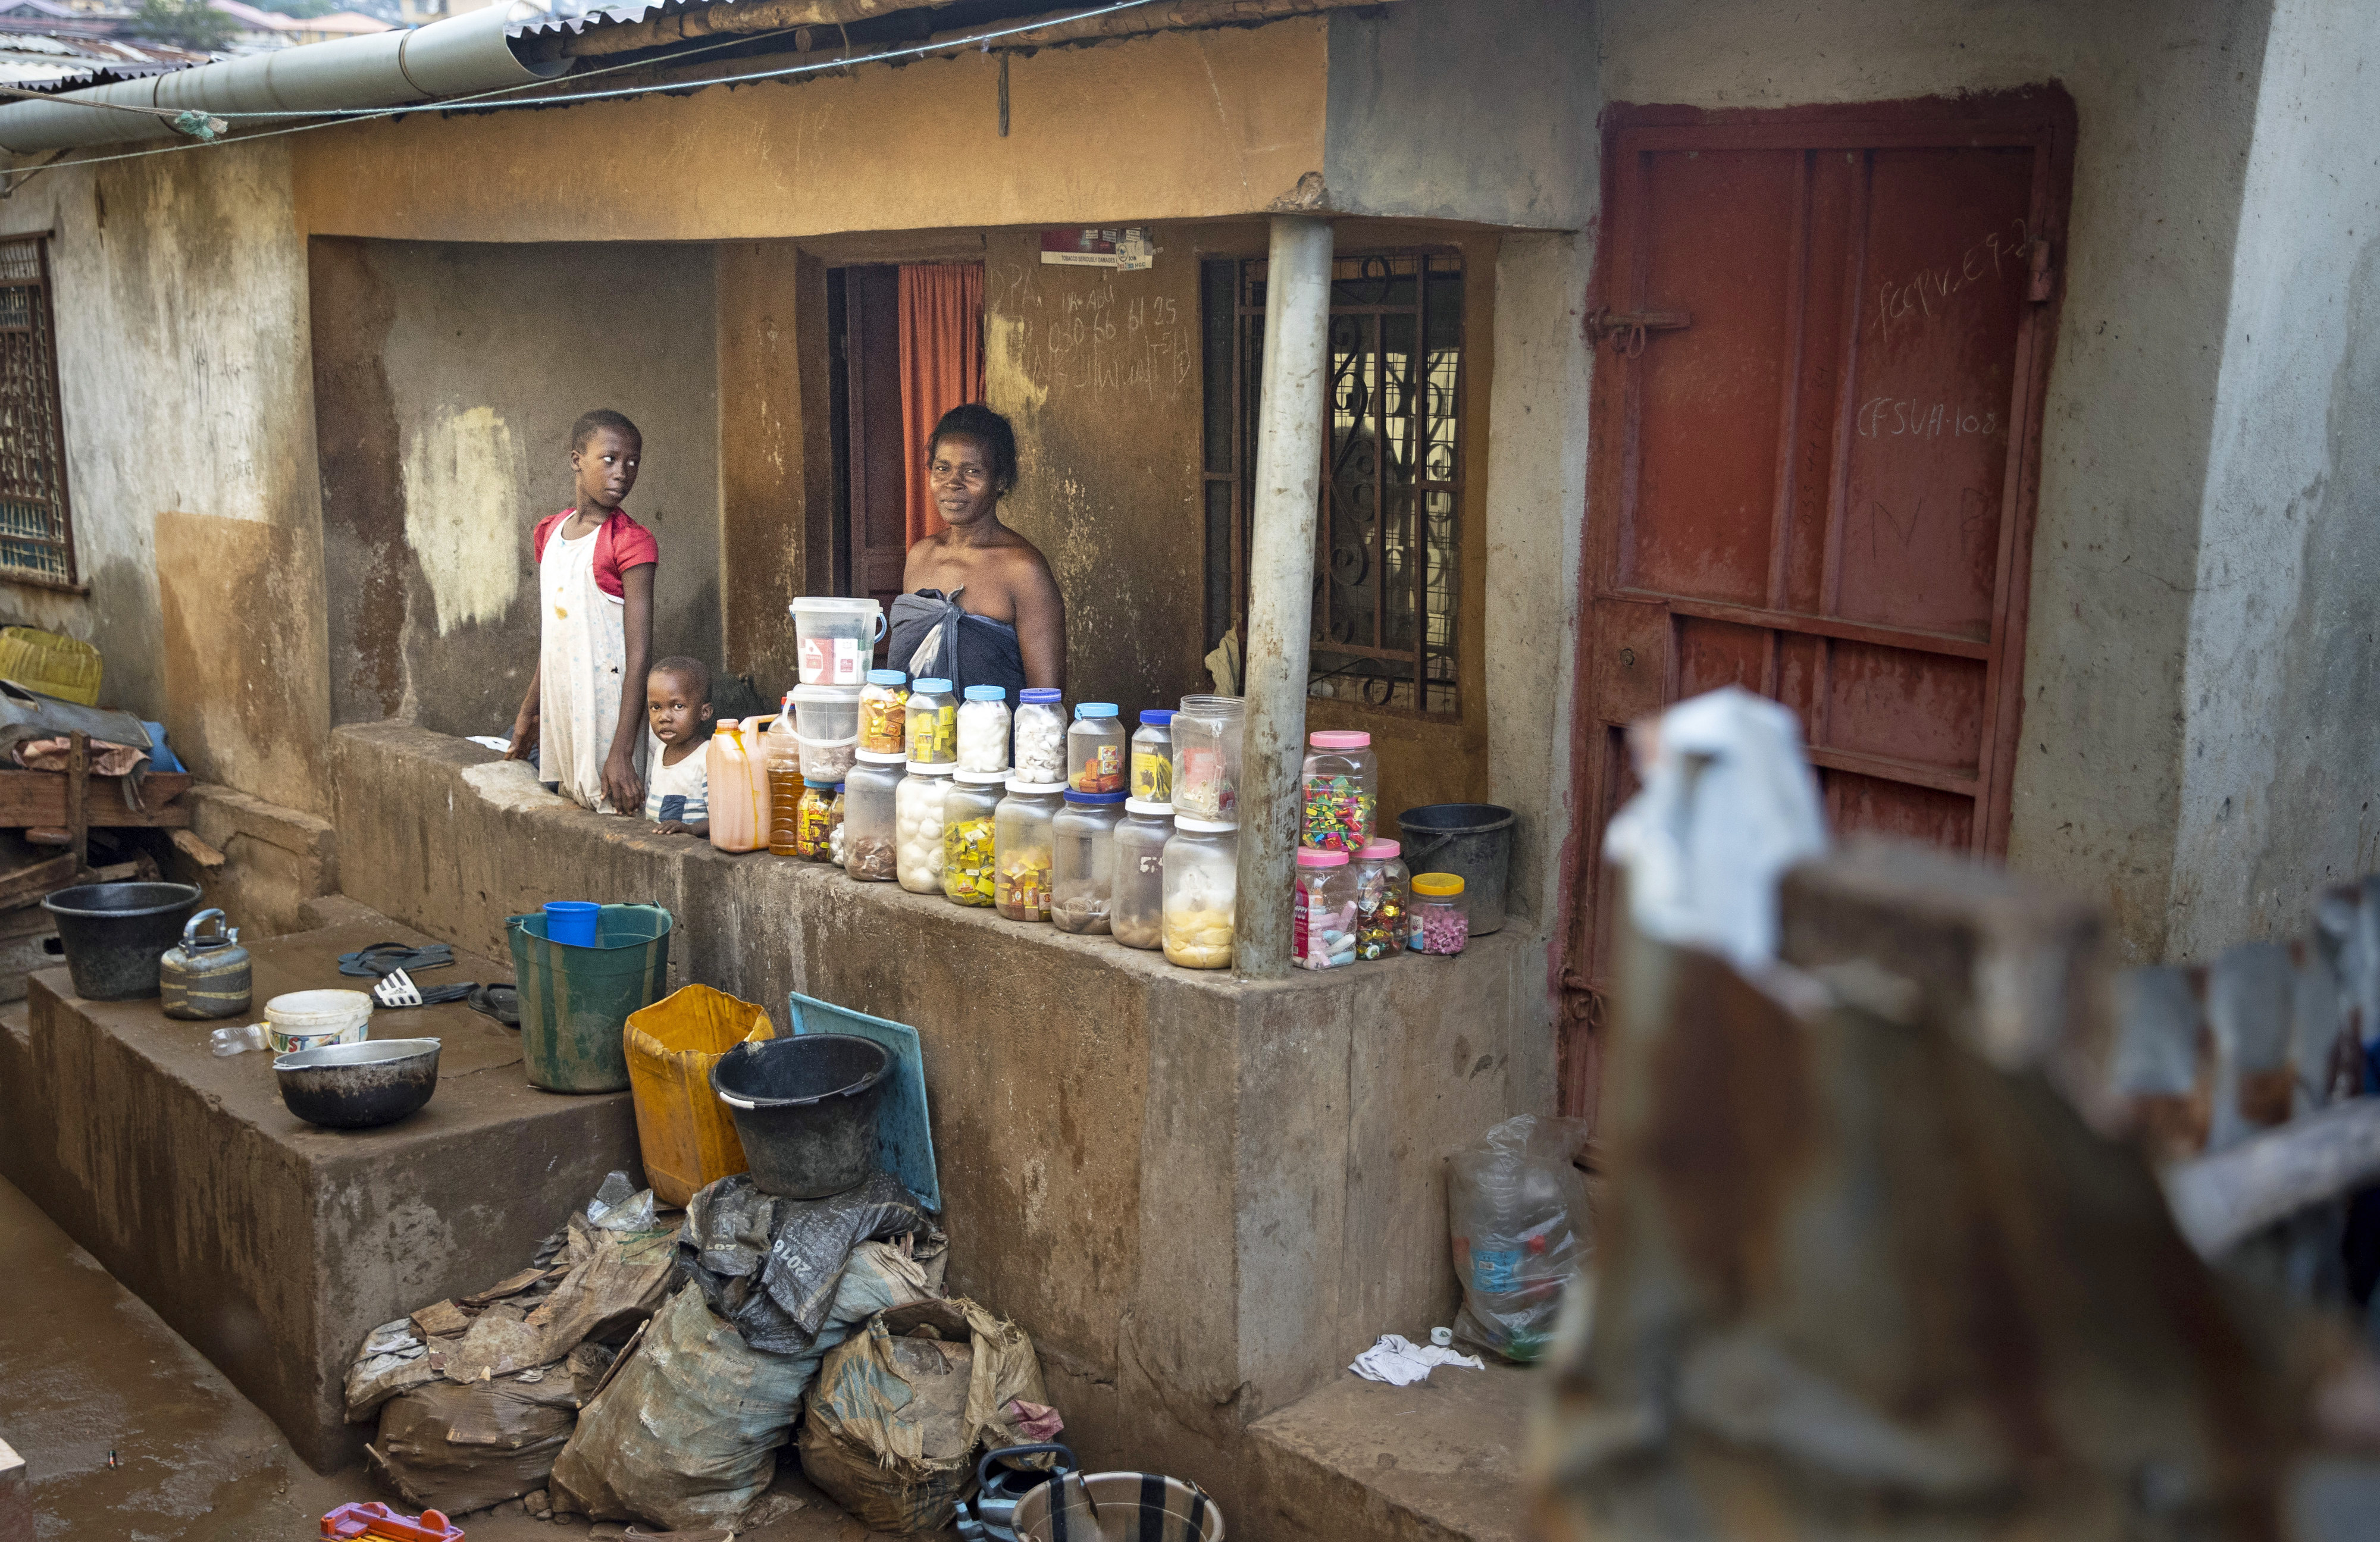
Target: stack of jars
[(1352, 898), (929, 717), (1201, 862), (872, 813)]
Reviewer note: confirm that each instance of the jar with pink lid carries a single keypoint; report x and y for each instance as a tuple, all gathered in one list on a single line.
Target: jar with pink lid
[(1322, 930), (1341, 791)]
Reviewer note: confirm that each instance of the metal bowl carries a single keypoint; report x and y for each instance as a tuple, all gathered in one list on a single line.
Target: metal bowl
[(355, 1087)]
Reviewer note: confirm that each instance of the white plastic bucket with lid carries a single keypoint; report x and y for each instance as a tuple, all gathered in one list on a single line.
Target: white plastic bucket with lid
[(836, 638), (313, 1019)]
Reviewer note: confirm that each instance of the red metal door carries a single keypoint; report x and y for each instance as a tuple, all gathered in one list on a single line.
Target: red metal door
[(1815, 426)]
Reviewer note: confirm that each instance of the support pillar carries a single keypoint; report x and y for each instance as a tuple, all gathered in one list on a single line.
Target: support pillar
[(1281, 583)]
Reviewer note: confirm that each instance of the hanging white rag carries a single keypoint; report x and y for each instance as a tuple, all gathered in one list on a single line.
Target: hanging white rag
[(1400, 1362)]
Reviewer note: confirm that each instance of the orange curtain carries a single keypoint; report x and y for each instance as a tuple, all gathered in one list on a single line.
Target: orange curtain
[(941, 364)]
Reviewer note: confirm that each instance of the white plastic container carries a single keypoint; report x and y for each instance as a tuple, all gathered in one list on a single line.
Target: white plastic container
[(983, 730), (837, 638), (313, 1019), (826, 727)]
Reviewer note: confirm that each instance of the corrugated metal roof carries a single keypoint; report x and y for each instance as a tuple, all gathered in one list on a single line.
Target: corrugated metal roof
[(38, 56), (569, 19)]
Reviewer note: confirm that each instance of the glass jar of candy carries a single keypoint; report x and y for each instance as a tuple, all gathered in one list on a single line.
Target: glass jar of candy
[(967, 817), (1383, 901), (1082, 877), (1022, 839), (931, 729), (1040, 735), (1341, 791), (983, 729), (1136, 911), (812, 823), (871, 816), (919, 855), (1440, 923), (835, 827), (1202, 879), (1322, 926), (1096, 749), (1152, 756), (1207, 758), (885, 714)]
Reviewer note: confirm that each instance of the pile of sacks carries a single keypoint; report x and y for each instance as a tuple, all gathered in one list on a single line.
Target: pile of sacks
[(748, 1315)]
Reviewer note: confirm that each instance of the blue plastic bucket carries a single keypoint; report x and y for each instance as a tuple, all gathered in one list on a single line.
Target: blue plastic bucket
[(571, 922)]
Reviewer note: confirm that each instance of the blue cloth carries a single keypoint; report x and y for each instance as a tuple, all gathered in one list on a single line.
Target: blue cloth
[(160, 757)]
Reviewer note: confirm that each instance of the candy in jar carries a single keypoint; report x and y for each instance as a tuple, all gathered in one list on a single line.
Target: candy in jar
[(983, 729), (1381, 901), (1322, 926), (1152, 756), (884, 712), (1201, 893), (1082, 882), (967, 845), (1040, 735), (1340, 791), (918, 804), (1095, 749), (1136, 904), (1439, 925), (932, 724), (872, 818), (811, 825), (1022, 850)]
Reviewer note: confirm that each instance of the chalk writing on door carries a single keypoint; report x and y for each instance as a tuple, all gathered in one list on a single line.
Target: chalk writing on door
[(1894, 418), (1999, 254)]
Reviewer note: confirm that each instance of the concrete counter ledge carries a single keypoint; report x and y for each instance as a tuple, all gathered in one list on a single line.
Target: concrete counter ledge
[(273, 1246), (1202, 1197)]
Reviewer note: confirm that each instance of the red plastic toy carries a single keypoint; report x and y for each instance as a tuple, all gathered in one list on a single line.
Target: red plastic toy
[(352, 1520)]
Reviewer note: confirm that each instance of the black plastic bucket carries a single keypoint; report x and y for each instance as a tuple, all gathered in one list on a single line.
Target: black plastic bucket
[(114, 933), (1473, 842), (805, 1109)]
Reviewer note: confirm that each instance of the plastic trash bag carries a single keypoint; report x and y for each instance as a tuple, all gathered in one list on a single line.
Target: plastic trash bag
[(769, 1266), (1729, 804), (619, 1206), (1523, 1229), (686, 1434)]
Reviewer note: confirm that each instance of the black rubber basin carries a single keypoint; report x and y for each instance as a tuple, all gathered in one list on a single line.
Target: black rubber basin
[(805, 1109), (114, 933)]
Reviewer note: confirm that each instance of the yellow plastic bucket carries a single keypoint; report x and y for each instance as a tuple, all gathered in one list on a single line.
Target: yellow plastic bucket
[(688, 1135), (51, 664)]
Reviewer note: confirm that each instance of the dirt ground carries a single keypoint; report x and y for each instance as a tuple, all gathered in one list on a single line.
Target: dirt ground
[(88, 1372)]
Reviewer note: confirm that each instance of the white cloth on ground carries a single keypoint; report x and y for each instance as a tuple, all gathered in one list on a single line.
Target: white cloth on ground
[(1400, 1362)]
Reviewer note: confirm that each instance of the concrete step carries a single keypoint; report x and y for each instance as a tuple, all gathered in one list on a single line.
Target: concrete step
[(1435, 1461)]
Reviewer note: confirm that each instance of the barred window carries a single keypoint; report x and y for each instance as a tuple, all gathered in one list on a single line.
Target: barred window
[(36, 540), (1386, 582)]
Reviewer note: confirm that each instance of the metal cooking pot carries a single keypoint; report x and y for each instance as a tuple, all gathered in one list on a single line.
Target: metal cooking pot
[(355, 1087), (205, 976)]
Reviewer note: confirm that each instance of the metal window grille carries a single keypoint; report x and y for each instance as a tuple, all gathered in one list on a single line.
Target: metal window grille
[(1387, 539), (36, 537)]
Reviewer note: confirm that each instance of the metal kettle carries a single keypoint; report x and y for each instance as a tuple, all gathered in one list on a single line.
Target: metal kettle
[(205, 976)]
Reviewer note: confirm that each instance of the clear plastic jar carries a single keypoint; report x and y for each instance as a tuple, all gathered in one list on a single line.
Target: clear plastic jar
[(1082, 875), (967, 837), (1152, 756), (871, 816), (1383, 901), (931, 724), (1207, 758), (816, 820), (1202, 879), (826, 727), (1136, 911), (1322, 926), (1040, 735), (917, 858), (1440, 923), (1096, 749), (885, 714), (983, 729), (1023, 849), (1340, 792)]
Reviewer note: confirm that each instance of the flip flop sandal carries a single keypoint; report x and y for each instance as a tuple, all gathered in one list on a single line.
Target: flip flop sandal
[(499, 1002)]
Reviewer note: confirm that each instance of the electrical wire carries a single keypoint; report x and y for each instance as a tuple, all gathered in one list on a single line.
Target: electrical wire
[(487, 101)]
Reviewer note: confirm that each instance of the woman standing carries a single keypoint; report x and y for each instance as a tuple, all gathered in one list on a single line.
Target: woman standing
[(1010, 628)]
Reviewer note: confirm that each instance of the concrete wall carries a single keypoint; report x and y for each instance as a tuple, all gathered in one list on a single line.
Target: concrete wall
[(448, 377), (2281, 762), (1201, 1197), (2165, 94), (178, 286)]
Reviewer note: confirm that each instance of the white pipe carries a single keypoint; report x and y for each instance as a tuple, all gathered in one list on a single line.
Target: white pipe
[(455, 57), (1281, 585)]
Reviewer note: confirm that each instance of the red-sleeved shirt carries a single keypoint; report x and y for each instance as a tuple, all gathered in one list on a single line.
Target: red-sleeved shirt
[(620, 545)]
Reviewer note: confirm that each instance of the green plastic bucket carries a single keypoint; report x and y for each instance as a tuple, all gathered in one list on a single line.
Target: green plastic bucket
[(575, 1002)]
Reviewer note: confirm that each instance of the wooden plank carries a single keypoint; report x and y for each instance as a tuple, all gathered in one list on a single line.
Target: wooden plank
[(198, 851), (2220, 1199), (32, 797), (28, 884)]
